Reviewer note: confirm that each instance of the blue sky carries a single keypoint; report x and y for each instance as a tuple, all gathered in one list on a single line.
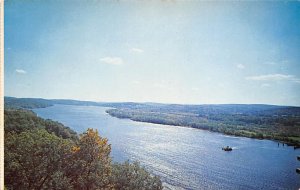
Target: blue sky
[(159, 51)]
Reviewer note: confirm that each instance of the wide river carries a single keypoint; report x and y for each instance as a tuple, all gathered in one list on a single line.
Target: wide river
[(187, 158)]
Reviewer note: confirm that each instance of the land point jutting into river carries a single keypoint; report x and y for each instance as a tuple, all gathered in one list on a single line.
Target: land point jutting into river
[(184, 157), (197, 95), (279, 123), (163, 141)]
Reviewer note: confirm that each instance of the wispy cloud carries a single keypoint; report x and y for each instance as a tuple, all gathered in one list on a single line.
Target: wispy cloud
[(274, 77), (240, 66), (282, 62), (270, 77), (112, 60), (20, 71), (136, 50), (297, 81)]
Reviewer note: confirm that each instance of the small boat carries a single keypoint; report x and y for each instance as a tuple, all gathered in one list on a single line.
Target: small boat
[(298, 158), (227, 148), (298, 170)]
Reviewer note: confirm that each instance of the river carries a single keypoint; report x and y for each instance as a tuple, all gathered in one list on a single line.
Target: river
[(187, 158)]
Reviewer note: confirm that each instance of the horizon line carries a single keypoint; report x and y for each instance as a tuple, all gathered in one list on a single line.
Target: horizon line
[(151, 102)]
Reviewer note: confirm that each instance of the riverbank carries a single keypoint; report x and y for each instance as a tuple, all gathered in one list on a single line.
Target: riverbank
[(188, 120), (187, 158), (279, 123)]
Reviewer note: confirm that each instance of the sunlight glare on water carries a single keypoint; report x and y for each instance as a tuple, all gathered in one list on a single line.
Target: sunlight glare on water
[(187, 158)]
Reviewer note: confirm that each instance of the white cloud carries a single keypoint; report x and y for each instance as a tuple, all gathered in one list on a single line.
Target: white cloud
[(240, 66), (112, 60), (283, 62), (274, 77), (271, 77), (20, 71), (136, 50)]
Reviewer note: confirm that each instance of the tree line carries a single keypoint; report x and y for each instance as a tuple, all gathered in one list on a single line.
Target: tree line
[(280, 124)]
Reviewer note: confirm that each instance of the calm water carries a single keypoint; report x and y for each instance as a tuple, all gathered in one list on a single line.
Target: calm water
[(187, 158)]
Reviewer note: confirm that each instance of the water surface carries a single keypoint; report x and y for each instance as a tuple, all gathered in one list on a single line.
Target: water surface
[(187, 158)]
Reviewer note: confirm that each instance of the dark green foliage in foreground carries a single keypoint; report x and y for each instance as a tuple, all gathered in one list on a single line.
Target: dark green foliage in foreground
[(38, 156), (33, 160), (21, 120), (254, 121), (134, 177)]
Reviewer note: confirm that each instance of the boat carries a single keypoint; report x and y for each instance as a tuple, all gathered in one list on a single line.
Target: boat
[(227, 148), (298, 170), (298, 158)]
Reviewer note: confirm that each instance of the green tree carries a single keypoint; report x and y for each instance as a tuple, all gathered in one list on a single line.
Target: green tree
[(33, 160), (90, 165), (43, 154), (21, 120), (128, 176)]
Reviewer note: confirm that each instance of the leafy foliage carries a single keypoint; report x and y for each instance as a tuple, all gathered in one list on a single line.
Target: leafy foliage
[(90, 164), (33, 160), (129, 176), (39, 155), (21, 120)]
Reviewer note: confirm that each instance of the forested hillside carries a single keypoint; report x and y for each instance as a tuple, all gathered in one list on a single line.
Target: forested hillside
[(256, 121), (43, 154), (29, 103), (280, 123)]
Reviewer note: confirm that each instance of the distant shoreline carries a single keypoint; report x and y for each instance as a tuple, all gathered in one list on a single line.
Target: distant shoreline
[(257, 121), (287, 142)]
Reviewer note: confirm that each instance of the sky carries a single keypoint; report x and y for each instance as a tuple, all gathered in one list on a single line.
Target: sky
[(186, 52)]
